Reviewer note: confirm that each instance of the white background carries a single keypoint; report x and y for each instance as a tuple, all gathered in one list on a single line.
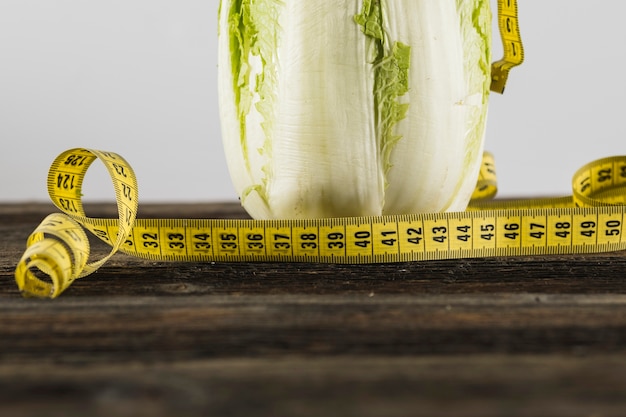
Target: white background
[(138, 77)]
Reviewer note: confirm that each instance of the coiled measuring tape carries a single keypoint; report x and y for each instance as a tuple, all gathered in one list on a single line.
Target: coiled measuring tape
[(591, 220)]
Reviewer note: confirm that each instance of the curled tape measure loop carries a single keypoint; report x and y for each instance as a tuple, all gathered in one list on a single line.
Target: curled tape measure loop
[(601, 183), (59, 247), (590, 221)]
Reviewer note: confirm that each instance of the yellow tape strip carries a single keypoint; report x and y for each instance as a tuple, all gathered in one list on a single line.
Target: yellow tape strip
[(591, 220), (508, 22)]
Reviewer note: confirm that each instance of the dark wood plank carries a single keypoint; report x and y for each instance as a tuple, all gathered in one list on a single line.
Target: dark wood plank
[(187, 328), (432, 386)]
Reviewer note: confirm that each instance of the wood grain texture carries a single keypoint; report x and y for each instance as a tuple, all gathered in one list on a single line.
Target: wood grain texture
[(498, 336)]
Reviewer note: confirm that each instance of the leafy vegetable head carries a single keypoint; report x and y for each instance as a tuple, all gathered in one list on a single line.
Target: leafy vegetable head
[(353, 107)]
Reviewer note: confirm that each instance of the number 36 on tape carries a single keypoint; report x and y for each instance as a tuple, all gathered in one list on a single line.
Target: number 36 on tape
[(591, 220)]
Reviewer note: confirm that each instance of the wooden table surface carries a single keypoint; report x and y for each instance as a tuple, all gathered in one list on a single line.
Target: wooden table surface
[(481, 337)]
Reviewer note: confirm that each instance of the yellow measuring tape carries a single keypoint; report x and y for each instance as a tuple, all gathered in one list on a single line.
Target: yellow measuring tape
[(511, 43), (591, 220)]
